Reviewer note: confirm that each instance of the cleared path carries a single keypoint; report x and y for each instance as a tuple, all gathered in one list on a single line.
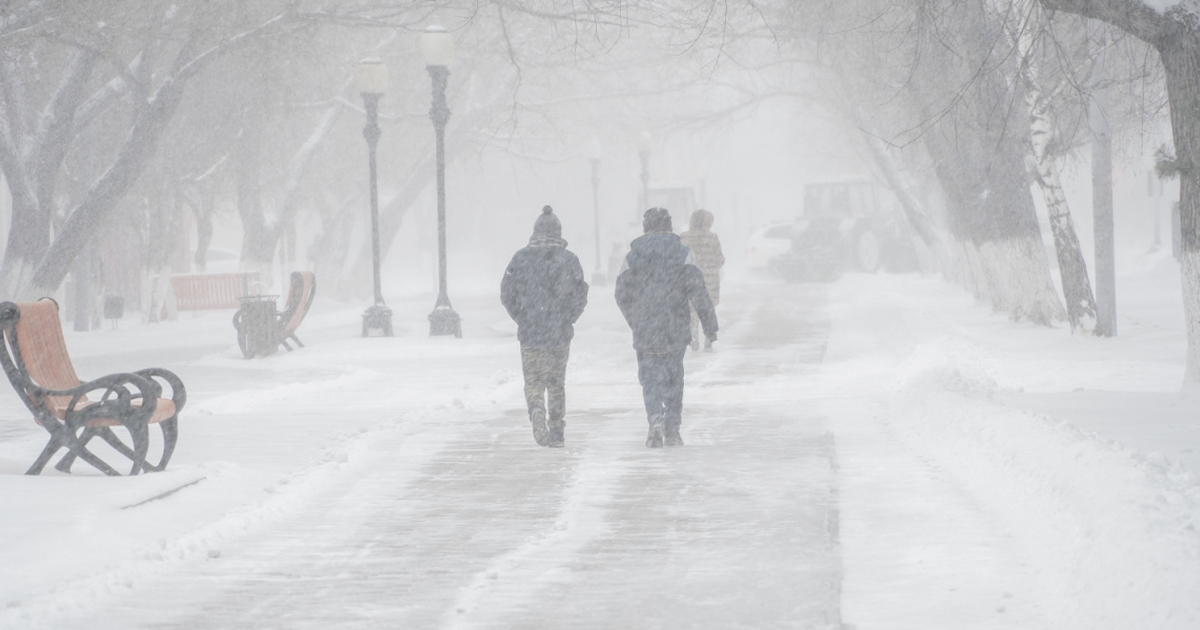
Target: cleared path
[(483, 529)]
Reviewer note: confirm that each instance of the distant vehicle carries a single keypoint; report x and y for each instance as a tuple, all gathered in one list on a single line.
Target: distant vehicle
[(767, 244), (847, 225)]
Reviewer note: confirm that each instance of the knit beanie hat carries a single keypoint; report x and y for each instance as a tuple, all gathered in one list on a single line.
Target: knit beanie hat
[(656, 220), (547, 224)]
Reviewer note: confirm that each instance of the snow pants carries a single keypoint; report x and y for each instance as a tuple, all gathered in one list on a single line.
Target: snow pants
[(545, 370), (661, 376)]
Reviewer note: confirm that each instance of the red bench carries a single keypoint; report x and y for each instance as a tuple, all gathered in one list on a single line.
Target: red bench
[(206, 291)]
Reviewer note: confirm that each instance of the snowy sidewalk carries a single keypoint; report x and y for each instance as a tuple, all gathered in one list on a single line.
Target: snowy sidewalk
[(859, 454), (394, 482)]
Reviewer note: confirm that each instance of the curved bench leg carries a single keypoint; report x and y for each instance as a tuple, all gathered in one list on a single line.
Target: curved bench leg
[(170, 433), (79, 450), (53, 446), (64, 464), (139, 436), (107, 435)]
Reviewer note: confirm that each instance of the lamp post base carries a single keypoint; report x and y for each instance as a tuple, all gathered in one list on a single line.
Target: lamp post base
[(377, 321), (444, 321)]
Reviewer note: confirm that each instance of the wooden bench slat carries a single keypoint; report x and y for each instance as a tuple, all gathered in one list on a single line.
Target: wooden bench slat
[(210, 291), (34, 356)]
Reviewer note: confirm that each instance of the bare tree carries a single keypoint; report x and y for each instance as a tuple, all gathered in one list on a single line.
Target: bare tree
[(1175, 33), (1025, 24), (150, 55)]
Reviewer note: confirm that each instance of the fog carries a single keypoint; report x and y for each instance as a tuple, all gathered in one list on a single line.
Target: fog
[(254, 131), (954, 383), (740, 108), (749, 173)]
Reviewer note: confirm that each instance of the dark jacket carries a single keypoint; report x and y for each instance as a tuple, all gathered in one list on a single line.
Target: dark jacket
[(654, 291), (544, 292)]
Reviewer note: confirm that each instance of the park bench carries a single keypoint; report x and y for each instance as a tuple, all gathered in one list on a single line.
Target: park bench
[(73, 412), (261, 329), (208, 291)]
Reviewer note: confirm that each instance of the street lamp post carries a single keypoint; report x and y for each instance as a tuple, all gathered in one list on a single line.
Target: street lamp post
[(595, 152), (645, 143), (371, 76), (437, 49)]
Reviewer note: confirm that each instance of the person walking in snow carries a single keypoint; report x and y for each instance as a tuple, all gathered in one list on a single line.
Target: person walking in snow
[(544, 292), (655, 293), (707, 255)]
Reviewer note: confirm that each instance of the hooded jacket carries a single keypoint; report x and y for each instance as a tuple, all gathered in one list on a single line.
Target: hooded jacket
[(655, 289), (544, 292)]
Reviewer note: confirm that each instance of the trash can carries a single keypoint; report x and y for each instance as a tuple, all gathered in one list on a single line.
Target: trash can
[(256, 325), (114, 307)]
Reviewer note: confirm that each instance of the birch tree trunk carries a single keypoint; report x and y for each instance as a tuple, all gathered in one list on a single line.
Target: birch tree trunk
[(981, 167), (1072, 268)]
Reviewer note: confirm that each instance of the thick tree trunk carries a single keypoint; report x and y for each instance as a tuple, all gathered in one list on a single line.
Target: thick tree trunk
[(31, 165), (961, 88), (263, 238), (1181, 60), (28, 239), (991, 212), (86, 219), (1176, 35), (258, 238), (203, 211)]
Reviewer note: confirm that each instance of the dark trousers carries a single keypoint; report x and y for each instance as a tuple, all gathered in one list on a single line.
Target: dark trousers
[(661, 376), (545, 370)]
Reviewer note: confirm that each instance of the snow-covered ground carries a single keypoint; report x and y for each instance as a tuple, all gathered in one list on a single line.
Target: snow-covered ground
[(1074, 459), (881, 452)]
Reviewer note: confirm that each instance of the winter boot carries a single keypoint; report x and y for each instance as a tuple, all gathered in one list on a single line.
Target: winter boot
[(655, 438), (540, 432), (555, 437), (672, 437)]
